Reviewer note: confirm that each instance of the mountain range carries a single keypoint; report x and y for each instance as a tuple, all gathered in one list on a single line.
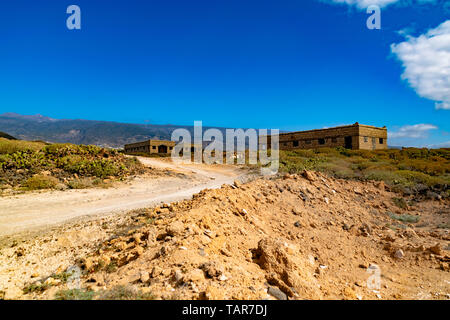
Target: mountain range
[(79, 131)]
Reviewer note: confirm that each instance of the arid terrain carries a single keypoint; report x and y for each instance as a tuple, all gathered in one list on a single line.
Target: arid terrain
[(165, 182), (291, 236)]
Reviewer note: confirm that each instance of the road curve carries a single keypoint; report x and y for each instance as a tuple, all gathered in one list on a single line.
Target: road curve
[(40, 210)]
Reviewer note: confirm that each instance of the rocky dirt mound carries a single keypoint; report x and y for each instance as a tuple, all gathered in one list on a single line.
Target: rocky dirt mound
[(292, 237)]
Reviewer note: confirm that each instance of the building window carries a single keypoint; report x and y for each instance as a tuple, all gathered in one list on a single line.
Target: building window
[(295, 143), (321, 141), (170, 148), (334, 140), (153, 147), (366, 139), (381, 140)]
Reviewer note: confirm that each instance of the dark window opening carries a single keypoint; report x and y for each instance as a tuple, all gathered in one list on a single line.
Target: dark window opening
[(153, 147), (334, 140), (366, 139), (381, 140), (295, 143), (321, 141), (348, 142), (162, 149)]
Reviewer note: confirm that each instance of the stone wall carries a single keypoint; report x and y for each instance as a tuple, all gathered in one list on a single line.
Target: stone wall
[(371, 138), (354, 137), (150, 146)]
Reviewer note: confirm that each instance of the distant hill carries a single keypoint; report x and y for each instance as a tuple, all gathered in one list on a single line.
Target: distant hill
[(7, 136), (78, 131)]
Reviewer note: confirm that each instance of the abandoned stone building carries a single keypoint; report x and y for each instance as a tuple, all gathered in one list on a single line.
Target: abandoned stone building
[(150, 146), (356, 136)]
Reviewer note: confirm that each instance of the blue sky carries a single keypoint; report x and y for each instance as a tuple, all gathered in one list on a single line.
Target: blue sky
[(285, 64)]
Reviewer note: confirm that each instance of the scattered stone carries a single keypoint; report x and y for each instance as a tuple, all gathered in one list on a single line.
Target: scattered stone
[(213, 293), (177, 276), (298, 224), (380, 185), (223, 277), (277, 293), (52, 282), (445, 266), (156, 271), (308, 175), (436, 249), (399, 254), (345, 227), (20, 252), (194, 275), (225, 252), (12, 293), (212, 269), (144, 276), (349, 293), (175, 228), (433, 195)]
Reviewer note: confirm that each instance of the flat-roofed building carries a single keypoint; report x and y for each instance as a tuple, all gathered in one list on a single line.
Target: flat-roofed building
[(150, 146), (356, 137)]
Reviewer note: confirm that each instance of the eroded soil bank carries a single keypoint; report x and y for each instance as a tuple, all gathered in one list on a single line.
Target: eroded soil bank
[(296, 236)]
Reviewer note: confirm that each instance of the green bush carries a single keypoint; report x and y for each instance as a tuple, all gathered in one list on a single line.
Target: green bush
[(404, 217), (401, 169), (41, 182), (11, 146), (75, 294)]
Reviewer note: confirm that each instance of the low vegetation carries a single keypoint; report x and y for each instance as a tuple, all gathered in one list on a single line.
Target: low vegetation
[(410, 170), (36, 165), (75, 294), (404, 217), (115, 293)]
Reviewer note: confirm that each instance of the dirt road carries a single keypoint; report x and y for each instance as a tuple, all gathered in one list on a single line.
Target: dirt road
[(40, 210)]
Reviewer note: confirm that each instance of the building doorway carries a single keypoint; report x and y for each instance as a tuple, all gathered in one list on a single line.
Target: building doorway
[(162, 149), (348, 143)]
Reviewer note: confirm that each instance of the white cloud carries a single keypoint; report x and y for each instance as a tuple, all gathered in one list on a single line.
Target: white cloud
[(426, 62), (363, 4), (413, 131), (445, 144)]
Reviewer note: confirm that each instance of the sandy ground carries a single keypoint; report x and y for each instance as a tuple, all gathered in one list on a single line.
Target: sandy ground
[(40, 210), (284, 237)]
